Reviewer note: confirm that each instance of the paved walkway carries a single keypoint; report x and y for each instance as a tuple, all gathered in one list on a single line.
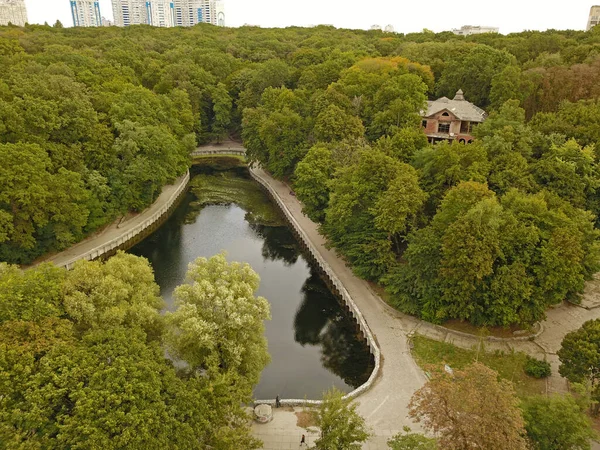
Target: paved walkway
[(385, 405), (115, 230)]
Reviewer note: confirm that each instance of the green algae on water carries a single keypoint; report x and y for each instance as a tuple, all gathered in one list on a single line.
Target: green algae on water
[(227, 187)]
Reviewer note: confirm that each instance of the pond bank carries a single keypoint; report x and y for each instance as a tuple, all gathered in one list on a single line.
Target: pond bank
[(121, 235), (314, 342)]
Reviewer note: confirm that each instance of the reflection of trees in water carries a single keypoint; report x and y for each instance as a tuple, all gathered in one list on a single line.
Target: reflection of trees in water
[(345, 353), (165, 243), (278, 243), (321, 321)]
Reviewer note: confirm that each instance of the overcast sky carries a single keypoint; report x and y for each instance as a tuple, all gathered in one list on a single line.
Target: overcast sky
[(404, 15)]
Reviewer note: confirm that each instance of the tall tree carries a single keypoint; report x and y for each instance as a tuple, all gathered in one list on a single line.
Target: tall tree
[(470, 409), (473, 73), (342, 428), (218, 324), (579, 356), (557, 423)]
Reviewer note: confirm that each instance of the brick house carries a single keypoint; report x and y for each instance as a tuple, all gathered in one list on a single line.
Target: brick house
[(449, 120)]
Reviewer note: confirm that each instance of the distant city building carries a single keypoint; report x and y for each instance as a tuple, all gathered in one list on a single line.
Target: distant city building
[(449, 120), (389, 28), (106, 22), (86, 13), (129, 12), (160, 13), (168, 13), (13, 11), (594, 17), (468, 30)]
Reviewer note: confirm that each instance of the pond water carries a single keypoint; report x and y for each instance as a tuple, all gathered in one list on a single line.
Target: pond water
[(313, 341)]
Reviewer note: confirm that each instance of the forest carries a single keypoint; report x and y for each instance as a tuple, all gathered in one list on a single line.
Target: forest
[(94, 122)]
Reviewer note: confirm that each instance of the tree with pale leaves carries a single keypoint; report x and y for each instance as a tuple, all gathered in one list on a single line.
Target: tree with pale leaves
[(218, 325), (342, 428)]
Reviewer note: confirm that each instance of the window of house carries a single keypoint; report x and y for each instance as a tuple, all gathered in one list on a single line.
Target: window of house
[(424, 124), (445, 114), (444, 128), (464, 127)]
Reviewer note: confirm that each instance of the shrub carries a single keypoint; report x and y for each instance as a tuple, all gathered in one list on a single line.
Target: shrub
[(536, 368)]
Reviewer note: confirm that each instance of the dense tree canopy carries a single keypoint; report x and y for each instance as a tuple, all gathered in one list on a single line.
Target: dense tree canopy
[(82, 358), (105, 117), (557, 423)]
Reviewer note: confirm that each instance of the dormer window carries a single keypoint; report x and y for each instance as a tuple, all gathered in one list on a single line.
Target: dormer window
[(445, 114)]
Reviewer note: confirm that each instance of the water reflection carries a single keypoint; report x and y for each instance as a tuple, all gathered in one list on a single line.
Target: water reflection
[(321, 321), (279, 243), (312, 341)]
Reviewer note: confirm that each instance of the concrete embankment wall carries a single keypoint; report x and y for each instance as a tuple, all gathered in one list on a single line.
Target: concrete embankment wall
[(338, 288), (134, 235)]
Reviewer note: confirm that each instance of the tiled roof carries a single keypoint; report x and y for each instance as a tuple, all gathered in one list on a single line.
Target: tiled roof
[(458, 106)]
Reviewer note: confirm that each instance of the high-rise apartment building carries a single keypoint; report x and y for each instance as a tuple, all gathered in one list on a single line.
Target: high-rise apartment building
[(129, 12), (13, 11), (594, 17), (160, 13), (213, 12), (86, 13), (168, 13)]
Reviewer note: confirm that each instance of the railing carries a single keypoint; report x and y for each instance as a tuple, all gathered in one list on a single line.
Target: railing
[(344, 294), (130, 234), (232, 151)]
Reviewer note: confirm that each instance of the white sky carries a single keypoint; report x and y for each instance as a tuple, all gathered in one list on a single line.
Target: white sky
[(405, 15)]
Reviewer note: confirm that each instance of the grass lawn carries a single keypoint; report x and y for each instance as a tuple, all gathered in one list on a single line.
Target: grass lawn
[(431, 355)]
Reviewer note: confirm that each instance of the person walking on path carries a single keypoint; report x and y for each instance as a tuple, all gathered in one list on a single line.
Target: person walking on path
[(303, 441), (277, 402)]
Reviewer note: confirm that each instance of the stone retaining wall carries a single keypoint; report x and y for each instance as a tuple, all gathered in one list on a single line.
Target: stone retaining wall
[(129, 237), (340, 288)]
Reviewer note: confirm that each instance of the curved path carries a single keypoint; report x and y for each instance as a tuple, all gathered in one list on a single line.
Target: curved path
[(385, 405), (120, 229)]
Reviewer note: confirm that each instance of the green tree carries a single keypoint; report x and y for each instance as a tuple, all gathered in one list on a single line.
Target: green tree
[(342, 428), (218, 324), (33, 199), (557, 423), (222, 109), (473, 73), (579, 356), (333, 124), (31, 295), (509, 84), (350, 217), (445, 165), (411, 441), (403, 143), (397, 207), (313, 176), (119, 292)]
